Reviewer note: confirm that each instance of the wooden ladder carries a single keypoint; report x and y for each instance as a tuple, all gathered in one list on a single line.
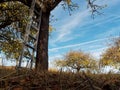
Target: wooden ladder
[(29, 45)]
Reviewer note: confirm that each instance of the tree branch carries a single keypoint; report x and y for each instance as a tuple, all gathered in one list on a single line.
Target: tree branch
[(26, 2), (4, 38), (94, 8), (56, 2), (3, 25)]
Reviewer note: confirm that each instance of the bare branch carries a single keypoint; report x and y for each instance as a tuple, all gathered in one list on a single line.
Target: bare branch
[(94, 8)]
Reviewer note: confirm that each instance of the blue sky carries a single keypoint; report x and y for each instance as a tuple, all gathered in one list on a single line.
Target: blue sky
[(80, 32)]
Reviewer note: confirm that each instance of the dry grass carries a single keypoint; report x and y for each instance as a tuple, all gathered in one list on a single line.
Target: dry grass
[(55, 80)]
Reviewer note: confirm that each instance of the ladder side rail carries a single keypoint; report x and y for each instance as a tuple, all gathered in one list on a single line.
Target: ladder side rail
[(27, 31), (39, 28), (36, 40)]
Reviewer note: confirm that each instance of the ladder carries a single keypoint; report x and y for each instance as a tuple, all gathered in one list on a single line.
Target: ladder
[(29, 44)]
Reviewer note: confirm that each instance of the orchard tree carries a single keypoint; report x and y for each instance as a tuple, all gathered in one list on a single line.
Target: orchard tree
[(12, 28), (112, 55), (77, 60), (47, 6)]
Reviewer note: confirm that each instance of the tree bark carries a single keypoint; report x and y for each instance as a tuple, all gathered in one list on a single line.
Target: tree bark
[(78, 69), (42, 47)]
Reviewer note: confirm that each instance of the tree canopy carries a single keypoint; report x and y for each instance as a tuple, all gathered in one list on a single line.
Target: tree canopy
[(13, 20), (112, 55), (77, 60)]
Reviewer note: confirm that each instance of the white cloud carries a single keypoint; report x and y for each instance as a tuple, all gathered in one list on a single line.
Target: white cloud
[(111, 2), (52, 58), (55, 56), (110, 33), (109, 18), (76, 45), (67, 27), (98, 52), (99, 21)]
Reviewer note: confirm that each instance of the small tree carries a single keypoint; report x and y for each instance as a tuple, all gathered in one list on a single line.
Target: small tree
[(77, 60), (112, 55)]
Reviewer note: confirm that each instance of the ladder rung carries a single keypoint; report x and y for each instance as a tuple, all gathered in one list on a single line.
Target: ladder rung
[(30, 46), (35, 19), (36, 12), (27, 57), (35, 45), (32, 37), (36, 28)]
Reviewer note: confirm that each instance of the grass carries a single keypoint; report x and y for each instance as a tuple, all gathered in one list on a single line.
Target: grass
[(25, 79)]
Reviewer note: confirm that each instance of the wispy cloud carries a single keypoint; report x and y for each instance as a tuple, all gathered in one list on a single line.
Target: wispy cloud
[(110, 33), (99, 21), (69, 24), (76, 45), (54, 57), (98, 52)]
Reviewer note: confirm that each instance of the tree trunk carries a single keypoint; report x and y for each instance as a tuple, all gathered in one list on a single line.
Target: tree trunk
[(78, 69), (42, 47)]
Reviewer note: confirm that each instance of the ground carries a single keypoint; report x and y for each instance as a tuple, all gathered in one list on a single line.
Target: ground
[(11, 79)]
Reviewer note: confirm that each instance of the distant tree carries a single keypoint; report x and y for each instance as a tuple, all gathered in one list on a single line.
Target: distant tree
[(77, 60), (112, 55)]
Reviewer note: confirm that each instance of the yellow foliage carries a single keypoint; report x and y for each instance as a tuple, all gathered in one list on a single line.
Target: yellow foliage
[(12, 50), (77, 60), (68, 2), (4, 5), (50, 28), (107, 62)]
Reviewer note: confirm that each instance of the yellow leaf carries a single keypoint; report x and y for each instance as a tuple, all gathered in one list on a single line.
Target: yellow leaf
[(68, 2), (50, 28), (4, 5)]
